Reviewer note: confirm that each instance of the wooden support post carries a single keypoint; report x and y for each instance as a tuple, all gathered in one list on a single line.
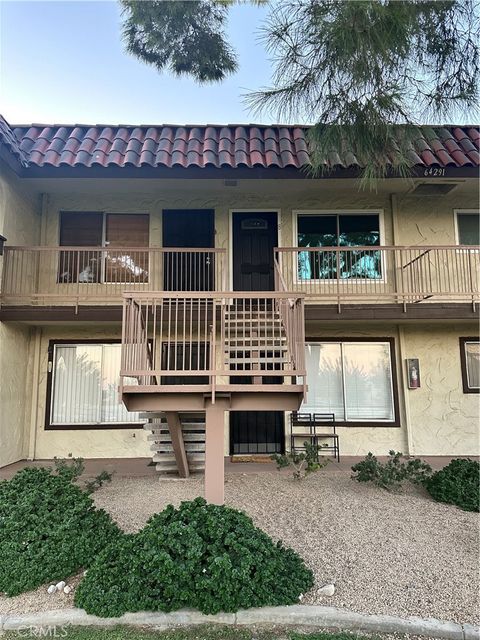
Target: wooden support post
[(214, 450), (176, 434)]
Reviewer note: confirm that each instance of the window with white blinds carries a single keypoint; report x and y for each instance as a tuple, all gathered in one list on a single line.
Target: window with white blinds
[(85, 379), (470, 360), (353, 380), (472, 357)]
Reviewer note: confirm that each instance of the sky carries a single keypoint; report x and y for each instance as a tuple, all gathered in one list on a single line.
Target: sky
[(64, 62)]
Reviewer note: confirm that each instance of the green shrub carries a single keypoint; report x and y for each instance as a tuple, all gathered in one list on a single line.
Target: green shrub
[(391, 474), (303, 463), (72, 468), (202, 556), (49, 528), (458, 483)]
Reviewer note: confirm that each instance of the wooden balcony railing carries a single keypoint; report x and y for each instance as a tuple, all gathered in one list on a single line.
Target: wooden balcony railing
[(99, 275), (212, 341), (85, 275), (381, 274)]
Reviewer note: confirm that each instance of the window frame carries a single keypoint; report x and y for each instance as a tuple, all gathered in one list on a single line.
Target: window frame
[(395, 423), (103, 245), (463, 364), (338, 212), (49, 404), (456, 213)]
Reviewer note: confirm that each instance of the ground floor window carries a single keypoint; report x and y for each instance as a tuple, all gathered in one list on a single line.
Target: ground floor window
[(470, 361), (83, 386), (355, 380)]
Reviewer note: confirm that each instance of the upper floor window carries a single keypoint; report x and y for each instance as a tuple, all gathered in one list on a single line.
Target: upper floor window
[(470, 362), (338, 230), (468, 227), (115, 231)]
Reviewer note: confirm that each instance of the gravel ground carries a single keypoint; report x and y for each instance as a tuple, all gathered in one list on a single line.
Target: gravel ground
[(400, 554)]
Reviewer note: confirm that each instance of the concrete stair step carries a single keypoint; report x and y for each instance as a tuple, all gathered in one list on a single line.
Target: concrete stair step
[(194, 468), (167, 447), (163, 427), (193, 428), (187, 437), (190, 415), (166, 457)]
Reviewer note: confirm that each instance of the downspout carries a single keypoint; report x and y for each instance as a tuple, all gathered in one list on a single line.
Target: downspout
[(401, 342)]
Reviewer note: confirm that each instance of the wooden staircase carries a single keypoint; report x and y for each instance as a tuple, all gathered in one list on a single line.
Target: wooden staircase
[(163, 454)]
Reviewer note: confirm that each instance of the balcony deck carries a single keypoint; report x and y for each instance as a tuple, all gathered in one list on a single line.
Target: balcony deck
[(185, 350), (44, 277), (381, 274)]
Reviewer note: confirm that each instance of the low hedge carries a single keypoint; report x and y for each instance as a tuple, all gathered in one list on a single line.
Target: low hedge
[(49, 529), (201, 556), (458, 483)]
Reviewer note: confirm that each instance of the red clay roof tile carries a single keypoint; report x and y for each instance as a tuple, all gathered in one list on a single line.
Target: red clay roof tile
[(218, 146)]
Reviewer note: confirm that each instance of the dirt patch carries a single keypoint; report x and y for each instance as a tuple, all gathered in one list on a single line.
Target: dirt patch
[(399, 554)]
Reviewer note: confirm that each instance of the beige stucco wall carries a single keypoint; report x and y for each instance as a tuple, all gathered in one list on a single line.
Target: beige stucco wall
[(20, 224), (19, 209), (405, 219), (444, 420), (430, 220), (14, 391), (436, 419), (273, 195)]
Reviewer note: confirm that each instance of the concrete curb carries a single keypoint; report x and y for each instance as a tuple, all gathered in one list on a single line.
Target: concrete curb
[(301, 615)]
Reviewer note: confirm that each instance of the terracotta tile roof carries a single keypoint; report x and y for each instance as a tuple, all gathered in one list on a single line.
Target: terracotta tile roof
[(8, 139), (220, 146)]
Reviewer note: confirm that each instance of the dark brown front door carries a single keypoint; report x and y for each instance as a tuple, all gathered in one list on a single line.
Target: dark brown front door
[(254, 237), (188, 228)]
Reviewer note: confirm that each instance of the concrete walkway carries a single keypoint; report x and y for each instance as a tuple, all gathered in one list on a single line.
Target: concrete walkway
[(316, 617)]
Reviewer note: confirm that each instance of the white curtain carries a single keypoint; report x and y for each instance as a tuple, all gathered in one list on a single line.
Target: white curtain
[(85, 385), (352, 380)]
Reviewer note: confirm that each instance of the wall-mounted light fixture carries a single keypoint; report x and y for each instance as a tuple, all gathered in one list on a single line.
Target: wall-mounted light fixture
[(2, 242), (413, 373)]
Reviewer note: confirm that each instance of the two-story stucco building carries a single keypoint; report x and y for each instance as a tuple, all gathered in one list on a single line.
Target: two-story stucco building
[(202, 270)]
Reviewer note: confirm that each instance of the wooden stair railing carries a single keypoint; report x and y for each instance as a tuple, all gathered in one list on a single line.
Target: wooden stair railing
[(213, 336)]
